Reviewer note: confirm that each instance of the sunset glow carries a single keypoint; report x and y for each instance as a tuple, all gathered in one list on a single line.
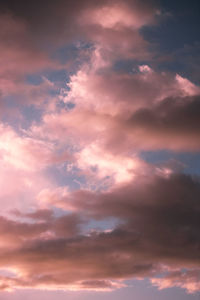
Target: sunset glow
[(99, 150)]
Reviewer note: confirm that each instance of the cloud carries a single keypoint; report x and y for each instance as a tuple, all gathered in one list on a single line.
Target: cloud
[(172, 124), (39, 225), (118, 14), (157, 233), (114, 27), (187, 280), (20, 57), (26, 153), (23, 164), (44, 23), (115, 93), (147, 110), (22, 152), (99, 123), (31, 35)]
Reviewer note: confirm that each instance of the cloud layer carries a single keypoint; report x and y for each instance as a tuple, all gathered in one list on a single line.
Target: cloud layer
[(80, 208), (157, 232)]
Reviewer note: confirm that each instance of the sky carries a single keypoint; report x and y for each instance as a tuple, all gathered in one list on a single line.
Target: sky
[(99, 150)]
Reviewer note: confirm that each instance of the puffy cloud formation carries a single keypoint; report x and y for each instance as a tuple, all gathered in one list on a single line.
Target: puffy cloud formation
[(23, 161), (145, 111), (31, 34), (80, 208)]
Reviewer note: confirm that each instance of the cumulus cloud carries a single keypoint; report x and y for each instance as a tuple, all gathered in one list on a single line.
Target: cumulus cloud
[(23, 161), (31, 35), (144, 111)]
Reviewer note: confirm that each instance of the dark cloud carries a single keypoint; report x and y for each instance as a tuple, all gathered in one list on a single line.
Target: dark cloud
[(171, 124), (158, 231), (57, 20), (171, 114), (15, 232)]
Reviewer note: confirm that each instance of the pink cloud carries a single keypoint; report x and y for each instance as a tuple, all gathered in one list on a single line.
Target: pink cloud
[(118, 14), (23, 164), (21, 57), (187, 280), (50, 242), (22, 152), (51, 252), (144, 111), (114, 27)]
